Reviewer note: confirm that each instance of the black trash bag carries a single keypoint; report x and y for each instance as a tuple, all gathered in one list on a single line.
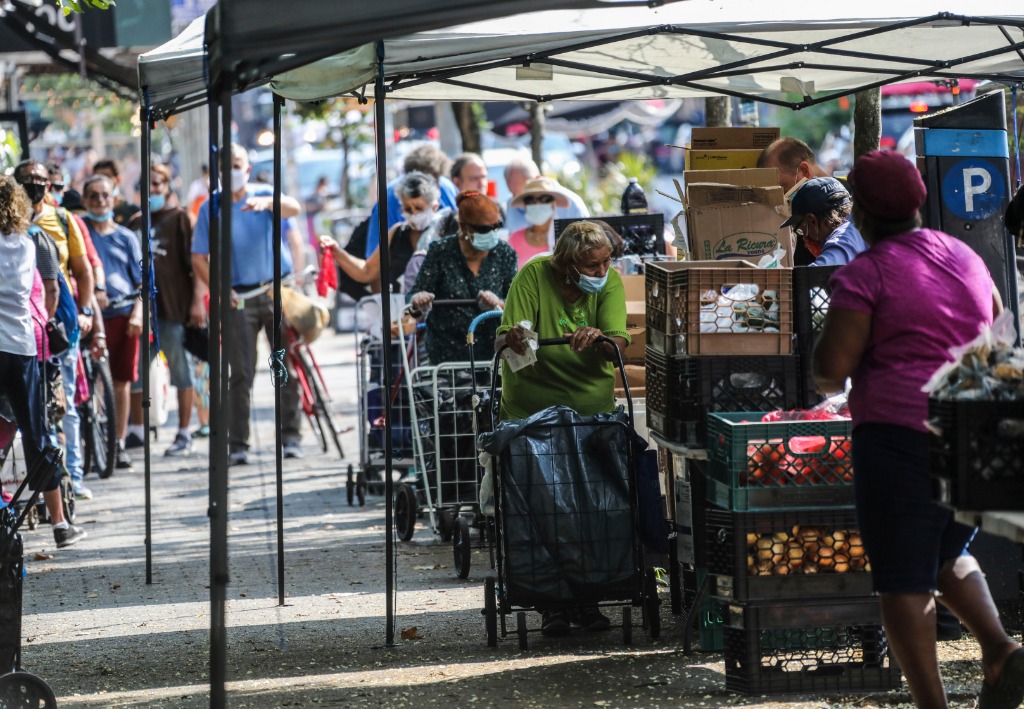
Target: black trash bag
[(566, 514)]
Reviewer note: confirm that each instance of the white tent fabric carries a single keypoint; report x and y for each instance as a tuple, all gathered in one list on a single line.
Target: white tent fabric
[(695, 48), (173, 74)]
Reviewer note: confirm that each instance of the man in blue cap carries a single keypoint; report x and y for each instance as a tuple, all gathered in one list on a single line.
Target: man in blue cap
[(821, 218)]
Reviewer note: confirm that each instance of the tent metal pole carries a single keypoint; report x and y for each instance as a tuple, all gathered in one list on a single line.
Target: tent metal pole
[(279, 372), (147, 284), (385, 314), (220, 281)]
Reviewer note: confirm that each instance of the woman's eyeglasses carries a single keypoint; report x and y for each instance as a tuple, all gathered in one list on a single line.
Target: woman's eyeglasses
[(483, 228), (801, 228), (539, 199)]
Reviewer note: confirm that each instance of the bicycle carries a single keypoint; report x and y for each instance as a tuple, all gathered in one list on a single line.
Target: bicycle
[(96, 416)]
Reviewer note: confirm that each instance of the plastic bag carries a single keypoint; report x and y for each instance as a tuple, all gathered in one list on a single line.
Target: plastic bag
[(834, 408)]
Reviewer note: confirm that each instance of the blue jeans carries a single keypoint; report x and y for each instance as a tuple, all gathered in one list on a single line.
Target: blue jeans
[(70, 423)]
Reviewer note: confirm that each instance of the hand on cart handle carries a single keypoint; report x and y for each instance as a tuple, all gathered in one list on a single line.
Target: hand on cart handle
[(420, 303), (584, 337), (490, 301)]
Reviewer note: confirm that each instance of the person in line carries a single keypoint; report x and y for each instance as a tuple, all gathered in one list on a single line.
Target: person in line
[(20, 373), (34, 179), (891, 342), (795, 162), (469, 173), (573, 293), (539, 199), (121, 254), (252, 268), (422, 219), (124, 210), (821, 219), (476, 264), (427, 159), (520, 170), (198, 192)]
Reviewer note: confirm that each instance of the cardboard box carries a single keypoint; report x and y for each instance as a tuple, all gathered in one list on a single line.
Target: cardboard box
[(634, 286), (636, 352), (636, 313), (721, 159), (709, 194), (732, 138), (755, 177), (745, 231), (636, 375)]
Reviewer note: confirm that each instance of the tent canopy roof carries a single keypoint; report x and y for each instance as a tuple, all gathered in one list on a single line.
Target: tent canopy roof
[(780, 53)]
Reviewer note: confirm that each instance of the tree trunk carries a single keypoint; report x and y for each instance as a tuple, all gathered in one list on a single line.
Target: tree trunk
[(718, 111), (465, 117), (867, 121), (537, 134)]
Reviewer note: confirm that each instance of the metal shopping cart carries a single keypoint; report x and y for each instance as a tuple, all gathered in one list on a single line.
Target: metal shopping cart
[(566, 517), (374, 389)]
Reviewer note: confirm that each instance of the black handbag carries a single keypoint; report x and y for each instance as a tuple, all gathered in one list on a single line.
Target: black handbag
[(56, 337), (197, 342)]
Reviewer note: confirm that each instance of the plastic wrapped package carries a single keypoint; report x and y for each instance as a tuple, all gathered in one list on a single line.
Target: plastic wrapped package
[(567, 532)]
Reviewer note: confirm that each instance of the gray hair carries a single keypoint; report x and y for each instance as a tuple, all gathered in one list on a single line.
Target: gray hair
[(578, 239), (417, 184), (427, 158), (93, 180), (524, 164), (463, 159)]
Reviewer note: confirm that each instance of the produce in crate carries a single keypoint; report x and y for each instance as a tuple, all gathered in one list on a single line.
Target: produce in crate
[(805, 550), (740, 307)]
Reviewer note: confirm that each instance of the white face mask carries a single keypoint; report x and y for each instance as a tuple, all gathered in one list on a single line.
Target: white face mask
[(537, 214), (419, 221), (239, 179)]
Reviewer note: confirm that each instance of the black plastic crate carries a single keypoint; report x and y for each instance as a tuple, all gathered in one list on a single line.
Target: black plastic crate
[(978, 456), (808, 647), (682, 391), (812, 295), (809, 397), (763, 556), (753, 465)]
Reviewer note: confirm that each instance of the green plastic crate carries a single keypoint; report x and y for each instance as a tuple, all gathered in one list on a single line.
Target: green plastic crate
[(753, 465)]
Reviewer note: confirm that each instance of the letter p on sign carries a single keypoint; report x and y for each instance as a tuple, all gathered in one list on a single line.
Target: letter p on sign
[(977, 180)]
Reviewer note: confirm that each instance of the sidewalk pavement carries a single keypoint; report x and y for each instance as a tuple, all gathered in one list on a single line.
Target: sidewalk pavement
[(103, 637)]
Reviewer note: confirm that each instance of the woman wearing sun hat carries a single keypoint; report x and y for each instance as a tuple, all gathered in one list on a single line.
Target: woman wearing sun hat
[(539, 198)]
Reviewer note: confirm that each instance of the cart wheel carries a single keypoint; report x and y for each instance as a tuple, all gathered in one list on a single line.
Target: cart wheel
[(24, 689), (627, 625), (652, 605), (405, 512), (462, 546), (361, 492), (68, 498), (491, 612), (521, 629), (350, 486)]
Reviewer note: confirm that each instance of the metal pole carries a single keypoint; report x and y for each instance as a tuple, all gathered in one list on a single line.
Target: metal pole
[(278, 382), (385, 314), (147, 260)]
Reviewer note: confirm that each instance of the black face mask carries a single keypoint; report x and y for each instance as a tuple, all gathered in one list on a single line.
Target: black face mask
[(35, 192)]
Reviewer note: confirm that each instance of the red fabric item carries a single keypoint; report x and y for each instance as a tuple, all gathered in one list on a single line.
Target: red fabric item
[(887, 186), (814, 247), (328, 276)]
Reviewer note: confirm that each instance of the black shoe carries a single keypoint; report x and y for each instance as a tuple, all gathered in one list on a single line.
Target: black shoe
[(69, 535), (122, 460), (555, 623), (133, 440), (590, 618)]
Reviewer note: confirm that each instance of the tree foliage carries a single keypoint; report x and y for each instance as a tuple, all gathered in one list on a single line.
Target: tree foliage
[(80, 6), (73, 105)]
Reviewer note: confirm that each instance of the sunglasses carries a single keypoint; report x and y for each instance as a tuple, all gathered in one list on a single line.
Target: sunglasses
[(56, 187), (484, 228), (540, 199)]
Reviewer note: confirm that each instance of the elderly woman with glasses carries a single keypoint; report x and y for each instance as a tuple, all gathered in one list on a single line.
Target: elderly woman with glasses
[(477, 264), (539, 198)]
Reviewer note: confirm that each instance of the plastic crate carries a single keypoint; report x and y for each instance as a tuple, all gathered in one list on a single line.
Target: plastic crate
[(978, 459), (711, 614), (809, 395), (678, 298), (792, 547), (682, 391), (808, 647), (812, 295), (759, 466)]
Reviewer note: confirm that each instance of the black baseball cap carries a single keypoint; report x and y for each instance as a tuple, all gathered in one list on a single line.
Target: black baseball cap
[(815, 197)]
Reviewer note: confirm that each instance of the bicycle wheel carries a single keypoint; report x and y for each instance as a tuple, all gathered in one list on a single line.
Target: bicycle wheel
[(102, 441), (322, 402), (309, 405)]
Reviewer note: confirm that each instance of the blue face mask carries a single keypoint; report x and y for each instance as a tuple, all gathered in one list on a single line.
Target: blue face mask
[(590, 284), (157, 202), (100, 217), (488, 240)]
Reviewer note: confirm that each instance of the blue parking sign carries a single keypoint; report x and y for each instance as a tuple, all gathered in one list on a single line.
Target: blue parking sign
[(973, 189)]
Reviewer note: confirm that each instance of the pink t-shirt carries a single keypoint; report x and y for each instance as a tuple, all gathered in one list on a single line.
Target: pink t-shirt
[(926, 292), (524, 250)]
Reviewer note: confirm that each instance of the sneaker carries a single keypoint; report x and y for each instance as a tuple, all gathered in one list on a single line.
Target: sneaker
[(590, 618), (69, 535), (292, 450), (81, 491), (555, 623), (181, 446), (240, 457), (122, 460), (133, 440), (201, 432)]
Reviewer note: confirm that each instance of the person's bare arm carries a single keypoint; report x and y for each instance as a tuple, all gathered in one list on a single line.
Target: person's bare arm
[(840, 348), (134, 328), (81, 269), (100, 285), (200, 287), (359, 270), (51, 295), (289, 205)]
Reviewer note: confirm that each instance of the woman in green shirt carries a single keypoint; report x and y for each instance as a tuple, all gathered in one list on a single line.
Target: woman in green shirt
[(573, 293)]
